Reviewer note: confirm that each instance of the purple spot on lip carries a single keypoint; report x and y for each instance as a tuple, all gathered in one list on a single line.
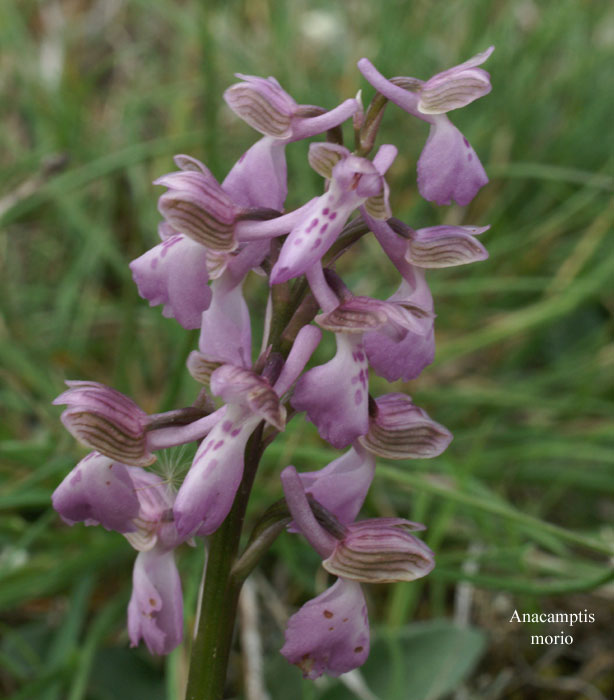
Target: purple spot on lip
[(212, 465), (360, 356), (154, 263), (469, 157), (316, 243), (298, 241), (333, 215), (325, 211), (165, 245), (466, 142), (313, 223), (227, 426), (323, 229), (218, 445), (207, 448), (235, 432), (358, 397), (76, 478)]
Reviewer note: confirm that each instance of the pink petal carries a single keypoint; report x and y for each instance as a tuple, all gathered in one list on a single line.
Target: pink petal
[(329, 634), (155, 611)]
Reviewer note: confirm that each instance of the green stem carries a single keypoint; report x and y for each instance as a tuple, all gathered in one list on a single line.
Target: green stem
[(211, 648)]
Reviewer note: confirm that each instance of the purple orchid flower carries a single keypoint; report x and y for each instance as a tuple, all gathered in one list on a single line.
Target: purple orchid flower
[(448, 168), (330, 634), (341, 421), (403, 358), (196, 205), (354, 181), (197, 232), (313, 228), (259, 178), (137, 504), (225, 335), (207, 493)]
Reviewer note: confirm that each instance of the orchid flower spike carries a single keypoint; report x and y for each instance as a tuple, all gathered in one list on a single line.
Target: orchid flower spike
[(212, 235)]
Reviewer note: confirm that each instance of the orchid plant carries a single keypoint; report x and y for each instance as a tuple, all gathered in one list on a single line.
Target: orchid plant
[(213, 235)]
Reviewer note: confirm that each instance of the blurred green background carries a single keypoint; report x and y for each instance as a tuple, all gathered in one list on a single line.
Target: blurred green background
[(96, 97)]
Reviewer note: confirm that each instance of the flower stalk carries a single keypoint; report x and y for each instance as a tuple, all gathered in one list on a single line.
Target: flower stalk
[(213, 639)]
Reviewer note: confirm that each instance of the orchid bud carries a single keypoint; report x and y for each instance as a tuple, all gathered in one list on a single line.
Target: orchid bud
[(358, 119)]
